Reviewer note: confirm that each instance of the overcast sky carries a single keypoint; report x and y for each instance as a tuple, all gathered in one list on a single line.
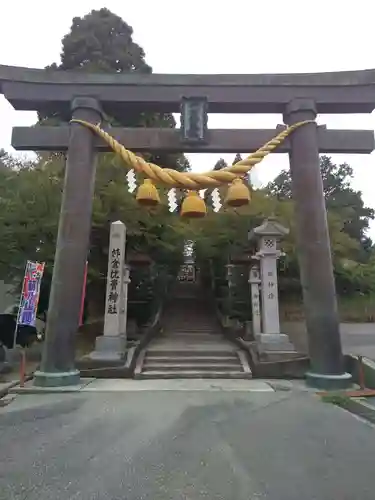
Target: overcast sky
[(242, 36)]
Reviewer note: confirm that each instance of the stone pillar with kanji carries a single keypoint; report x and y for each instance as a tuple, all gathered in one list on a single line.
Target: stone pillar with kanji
[(112, 344), (124, 301), (254, 280), (267, 236)]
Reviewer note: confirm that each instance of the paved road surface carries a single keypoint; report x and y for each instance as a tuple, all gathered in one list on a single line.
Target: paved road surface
[(360, 340), (357, 338), (183, 446)]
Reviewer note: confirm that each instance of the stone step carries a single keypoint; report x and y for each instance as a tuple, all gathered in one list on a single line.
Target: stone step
[(191, 359), (197, 306), (166, 374), (191, 314), (195, 309), (210, 337), (174, 351), (184, 331), (179, 309), (191, 338), (201, 360), (173, 344), (190, 321), (188, 327), (177, 366)]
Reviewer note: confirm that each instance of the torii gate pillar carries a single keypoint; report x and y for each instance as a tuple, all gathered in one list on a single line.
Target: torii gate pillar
[(57, 366), (314, 252)]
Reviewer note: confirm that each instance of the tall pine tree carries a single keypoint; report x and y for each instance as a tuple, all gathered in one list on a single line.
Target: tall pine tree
[(237, 158), (221, 163), (103, 42)]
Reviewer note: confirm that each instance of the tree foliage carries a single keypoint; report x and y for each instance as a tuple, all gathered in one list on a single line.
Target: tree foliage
[(221, 163), (237, 158), (341, 199), (29, 207), (219, 237), (30, 197), (97, 42), (103, 42), (31, 192)]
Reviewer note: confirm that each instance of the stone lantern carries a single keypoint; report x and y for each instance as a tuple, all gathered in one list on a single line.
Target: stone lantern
[(267, 236)]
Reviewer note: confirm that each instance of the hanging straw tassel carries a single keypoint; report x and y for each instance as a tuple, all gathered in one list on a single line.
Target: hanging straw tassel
[(238, 194), (147, 194), (193, 206)]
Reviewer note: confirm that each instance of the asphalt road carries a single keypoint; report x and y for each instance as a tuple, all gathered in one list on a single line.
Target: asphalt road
[(362, 342), (356, 338), (183, 446)]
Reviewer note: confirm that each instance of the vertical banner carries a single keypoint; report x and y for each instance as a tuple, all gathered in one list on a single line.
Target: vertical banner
[(30, 293)]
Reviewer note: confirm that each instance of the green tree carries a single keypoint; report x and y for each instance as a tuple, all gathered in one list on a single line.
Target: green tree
[(30, 200), (341, 199), (237, 158), (97, 42), (103, 42), (30, 205), (100, 42), (4, 159), (31, 193), (226, 233), (221, 163)]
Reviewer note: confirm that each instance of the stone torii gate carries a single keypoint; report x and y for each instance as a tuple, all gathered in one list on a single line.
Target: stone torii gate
[(87, 97)]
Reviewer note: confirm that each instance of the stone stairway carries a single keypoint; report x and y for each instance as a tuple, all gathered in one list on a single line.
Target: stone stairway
[(191, 344)]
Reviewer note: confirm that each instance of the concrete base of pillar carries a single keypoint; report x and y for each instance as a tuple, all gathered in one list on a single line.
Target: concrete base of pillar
[(109, 348), (274, 342), (328, 382), (56, 379)]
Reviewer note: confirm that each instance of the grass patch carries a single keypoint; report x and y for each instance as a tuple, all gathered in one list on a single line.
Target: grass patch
[(337, 399), (357, 309)]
